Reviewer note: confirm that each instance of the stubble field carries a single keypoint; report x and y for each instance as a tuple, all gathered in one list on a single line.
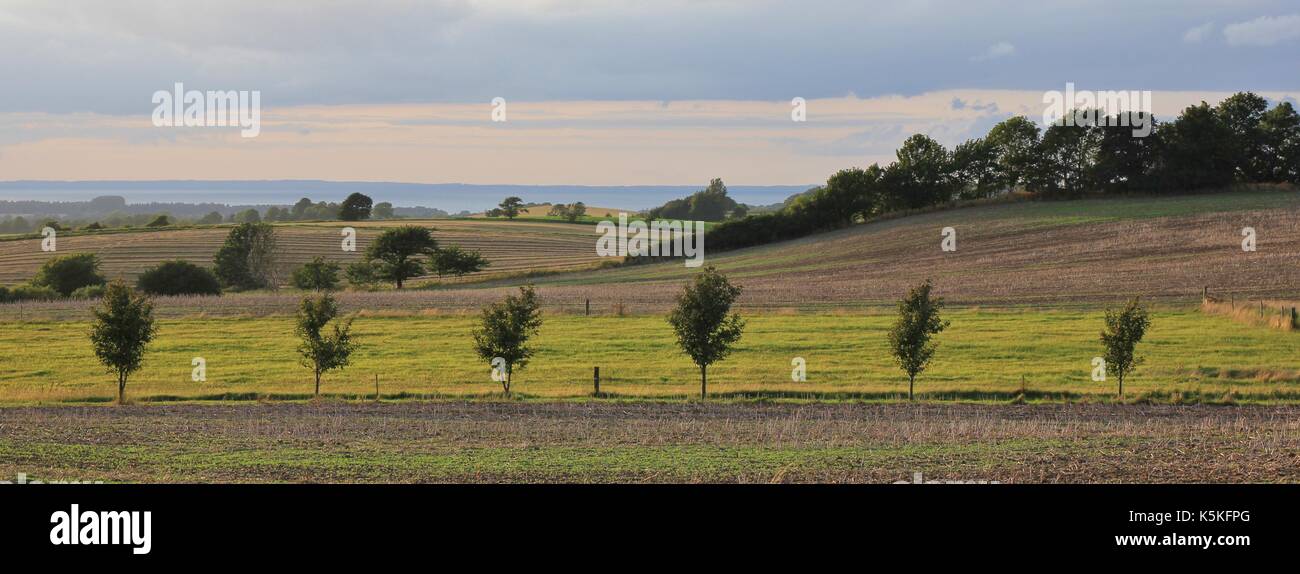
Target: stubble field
[(649, 442)]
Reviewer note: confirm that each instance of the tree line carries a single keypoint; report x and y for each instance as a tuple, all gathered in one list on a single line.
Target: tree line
[(702, 320), (1243, 139), (247, 260)]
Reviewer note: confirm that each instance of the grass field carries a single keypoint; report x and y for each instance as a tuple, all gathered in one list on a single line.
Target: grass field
[(645, 442), (1191, 357)]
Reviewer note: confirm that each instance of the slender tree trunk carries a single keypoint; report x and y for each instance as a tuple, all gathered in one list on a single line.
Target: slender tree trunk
[(911, 384), (509, 374), (318, 382), (704, 382), (1121, 385), (121, 388)]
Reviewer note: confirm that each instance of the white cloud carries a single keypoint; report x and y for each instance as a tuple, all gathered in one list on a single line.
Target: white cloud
[(1263, 31), (998, 50), (1198, 34)]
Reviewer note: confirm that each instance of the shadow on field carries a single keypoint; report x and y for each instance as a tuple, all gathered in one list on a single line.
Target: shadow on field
[(1174, 397)]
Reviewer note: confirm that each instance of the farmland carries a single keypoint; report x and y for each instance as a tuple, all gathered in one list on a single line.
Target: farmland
[(650, 442), (511, 247), (1009, 396), (1077, 254)]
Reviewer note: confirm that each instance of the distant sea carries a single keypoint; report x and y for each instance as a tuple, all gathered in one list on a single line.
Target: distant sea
[(450, 197)]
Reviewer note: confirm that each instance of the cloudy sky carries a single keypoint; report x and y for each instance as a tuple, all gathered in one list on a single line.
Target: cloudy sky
[(598, 92)]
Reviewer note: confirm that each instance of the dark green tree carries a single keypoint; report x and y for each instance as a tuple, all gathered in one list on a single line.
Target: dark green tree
[(400, 253), (1196, 151), (911, 338), (1243, 113), (1280, 144), (1066, 156), (921, 177), (975, 169), (706, 328), (510, 206), (1015, 143), (1124, 163), (356, 207)]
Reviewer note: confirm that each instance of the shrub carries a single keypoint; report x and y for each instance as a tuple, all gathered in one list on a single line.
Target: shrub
[(179, 278), (317, 275), (67, 273), (362, 274), (89, 292), (25, 292)]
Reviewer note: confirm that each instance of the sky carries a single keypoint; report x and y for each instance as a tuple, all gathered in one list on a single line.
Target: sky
[(596, 92)]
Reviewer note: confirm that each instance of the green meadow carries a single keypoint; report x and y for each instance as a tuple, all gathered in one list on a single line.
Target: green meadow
[(985, 355)]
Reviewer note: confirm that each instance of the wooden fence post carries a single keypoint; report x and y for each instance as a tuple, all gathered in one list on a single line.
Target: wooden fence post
[(588, 311), (596, 378)]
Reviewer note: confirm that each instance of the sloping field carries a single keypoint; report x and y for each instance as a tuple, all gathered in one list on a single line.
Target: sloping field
[(511, 247), (1039, 253), (1082, 253)]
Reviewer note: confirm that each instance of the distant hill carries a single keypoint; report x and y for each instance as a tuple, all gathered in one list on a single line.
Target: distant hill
[(449, 197)]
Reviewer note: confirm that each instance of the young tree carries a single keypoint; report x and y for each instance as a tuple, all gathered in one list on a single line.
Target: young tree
[(317, 275), (1124, 329), (67, 273), (323, 352), (457, 262), (705, 327), (506, 328), (397, 252), (909, 340), (122, 328), (510, 207), (247, 259), (356, 207)]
